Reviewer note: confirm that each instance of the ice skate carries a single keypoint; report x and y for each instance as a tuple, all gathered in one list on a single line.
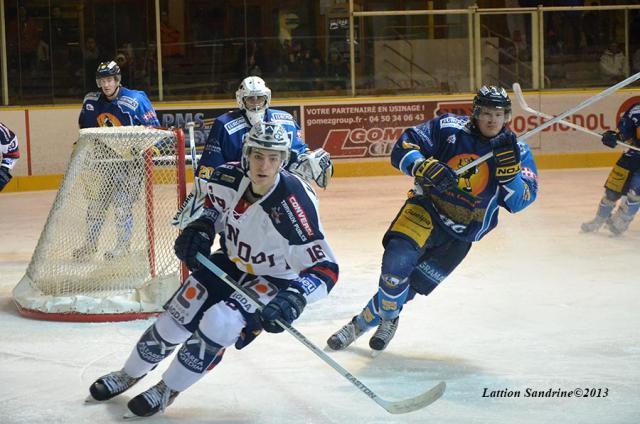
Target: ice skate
[(593, 225), (345, 336), (383, 335), (152, 400), (111, 385), (85, 251), (117, 252), (618, 223)]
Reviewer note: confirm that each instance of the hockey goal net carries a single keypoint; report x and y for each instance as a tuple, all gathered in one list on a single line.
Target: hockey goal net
[(106, 250)]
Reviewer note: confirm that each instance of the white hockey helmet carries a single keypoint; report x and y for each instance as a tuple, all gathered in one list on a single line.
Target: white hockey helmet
[(253, 87), (266, 136)]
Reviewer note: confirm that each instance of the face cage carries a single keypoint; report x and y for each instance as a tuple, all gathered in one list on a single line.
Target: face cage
[(264, 106)]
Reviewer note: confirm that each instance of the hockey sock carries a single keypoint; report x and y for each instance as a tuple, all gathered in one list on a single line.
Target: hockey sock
[(155, 344), (196, 357)]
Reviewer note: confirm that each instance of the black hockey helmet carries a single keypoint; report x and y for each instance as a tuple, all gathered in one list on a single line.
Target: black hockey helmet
[(108, 69), (492, 96)]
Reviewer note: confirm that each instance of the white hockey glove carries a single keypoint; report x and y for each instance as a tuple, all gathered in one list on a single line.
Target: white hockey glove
[(314, 166), (191, 208)]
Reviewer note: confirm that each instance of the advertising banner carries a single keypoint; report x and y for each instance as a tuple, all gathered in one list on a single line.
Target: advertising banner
[(369, 130)]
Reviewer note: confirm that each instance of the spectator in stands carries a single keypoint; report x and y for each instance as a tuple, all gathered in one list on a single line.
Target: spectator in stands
[(337, 70), (592, 28), (613, 62), (23, 39), (636, 61), (90, 53), (169, 36)]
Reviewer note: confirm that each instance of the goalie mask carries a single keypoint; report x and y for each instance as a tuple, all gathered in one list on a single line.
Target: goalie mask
[(108, 69), (491, 96), (253, 97), (266, 136)]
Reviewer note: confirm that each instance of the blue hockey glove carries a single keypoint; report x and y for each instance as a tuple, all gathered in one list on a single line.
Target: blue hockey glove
[(506, 154), (286, 307), (5, 176), (432, 172), (196, 238), (610, 138)]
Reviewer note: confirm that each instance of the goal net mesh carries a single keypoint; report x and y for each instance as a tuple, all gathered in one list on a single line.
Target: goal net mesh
[(106, 250)]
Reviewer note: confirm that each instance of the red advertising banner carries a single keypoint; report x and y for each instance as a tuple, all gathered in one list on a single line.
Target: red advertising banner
[(368, 130)]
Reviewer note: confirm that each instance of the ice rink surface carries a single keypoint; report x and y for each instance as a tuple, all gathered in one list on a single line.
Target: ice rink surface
[(536, 304)]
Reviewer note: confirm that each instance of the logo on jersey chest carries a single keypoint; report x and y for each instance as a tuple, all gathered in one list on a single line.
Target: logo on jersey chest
[(246, 254), (107, 119), (475, 179)]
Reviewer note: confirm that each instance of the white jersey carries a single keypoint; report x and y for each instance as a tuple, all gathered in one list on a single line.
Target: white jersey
[(279, 237)]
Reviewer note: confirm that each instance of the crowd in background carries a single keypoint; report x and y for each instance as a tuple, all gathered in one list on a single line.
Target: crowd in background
[(51, 58)]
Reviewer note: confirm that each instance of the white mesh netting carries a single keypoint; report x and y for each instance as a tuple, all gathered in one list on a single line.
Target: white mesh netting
[(107, 245)]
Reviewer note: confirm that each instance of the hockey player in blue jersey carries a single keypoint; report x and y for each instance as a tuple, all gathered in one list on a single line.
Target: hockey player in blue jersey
[(114, 106), (274, 246), (224, 144), (9, 154), (623, 180), (436, 227)]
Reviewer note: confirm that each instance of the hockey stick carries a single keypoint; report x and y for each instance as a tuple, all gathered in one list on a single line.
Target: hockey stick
[(397, 407), (190, 201), (192, 146), (523, 104), (558, 118)]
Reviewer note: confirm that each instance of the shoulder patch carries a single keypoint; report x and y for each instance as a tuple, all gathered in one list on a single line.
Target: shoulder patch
[(128, 102), (236, 125), (453, 122), (281, 115), (228, 175), (92, 96)]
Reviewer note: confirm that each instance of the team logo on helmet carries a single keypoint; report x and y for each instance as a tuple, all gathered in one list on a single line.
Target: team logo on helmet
[(267, 136)]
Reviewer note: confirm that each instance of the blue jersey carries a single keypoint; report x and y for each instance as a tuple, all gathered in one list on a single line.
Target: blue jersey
[(224, 143), (469, 211), (629, 128), (130, 107), (8, 147)]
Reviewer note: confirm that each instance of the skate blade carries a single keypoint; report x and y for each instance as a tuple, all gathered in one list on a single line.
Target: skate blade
[(89, 399), (130, 416), (375, 353)]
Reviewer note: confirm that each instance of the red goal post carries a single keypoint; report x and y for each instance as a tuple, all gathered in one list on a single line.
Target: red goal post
[(106, 250)]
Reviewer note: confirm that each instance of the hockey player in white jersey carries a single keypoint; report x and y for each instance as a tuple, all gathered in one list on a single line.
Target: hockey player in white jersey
[(9, 154), (224, 144), (274, 246)]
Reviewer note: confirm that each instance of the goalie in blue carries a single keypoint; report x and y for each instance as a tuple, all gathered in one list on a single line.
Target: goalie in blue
[(446, 213), (224, 144)]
